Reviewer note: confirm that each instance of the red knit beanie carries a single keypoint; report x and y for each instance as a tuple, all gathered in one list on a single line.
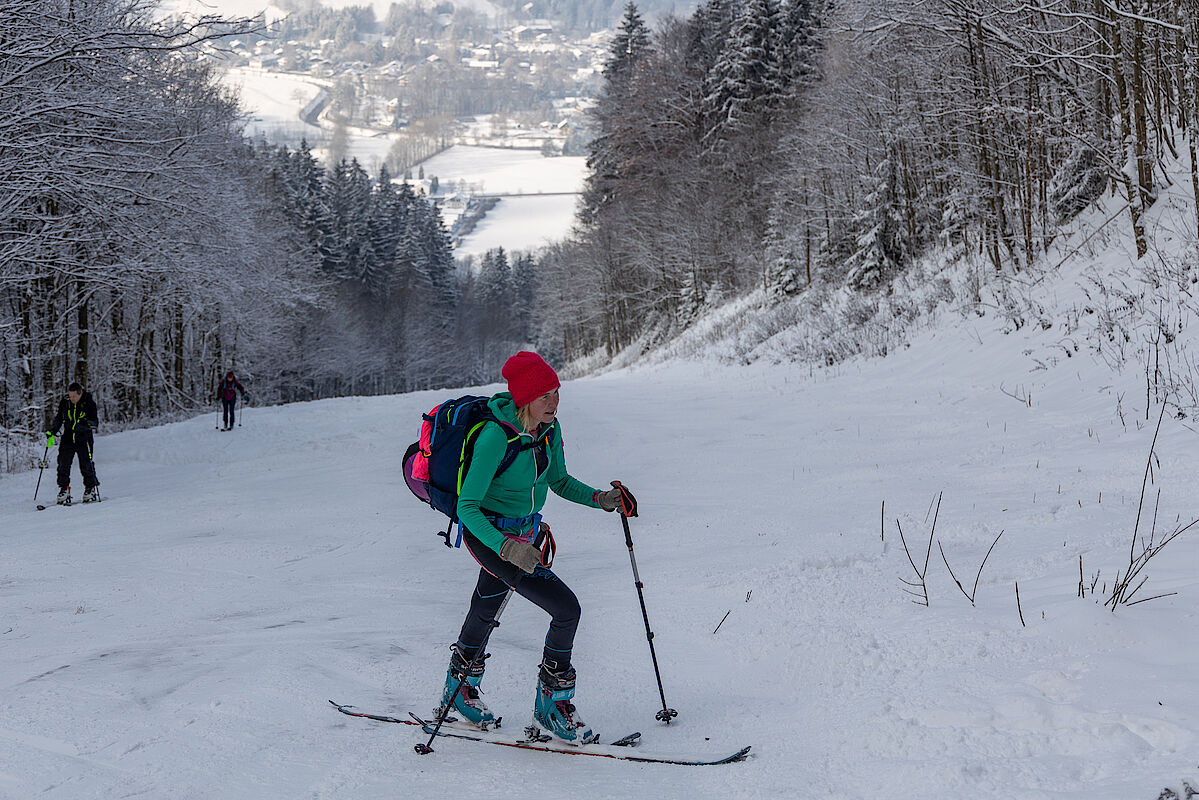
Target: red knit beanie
[(529, 377)]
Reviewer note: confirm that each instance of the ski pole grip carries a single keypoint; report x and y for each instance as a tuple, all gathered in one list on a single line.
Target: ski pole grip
[(627, 504)]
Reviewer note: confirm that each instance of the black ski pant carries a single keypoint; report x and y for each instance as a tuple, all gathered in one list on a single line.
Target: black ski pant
[(68, 448), (543, 588), (230, 416)]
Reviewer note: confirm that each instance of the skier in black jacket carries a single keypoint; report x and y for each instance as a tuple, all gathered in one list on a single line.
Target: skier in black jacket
[(78, 418)]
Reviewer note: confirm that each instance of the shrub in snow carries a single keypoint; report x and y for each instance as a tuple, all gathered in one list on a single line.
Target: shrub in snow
[(1079, 181)]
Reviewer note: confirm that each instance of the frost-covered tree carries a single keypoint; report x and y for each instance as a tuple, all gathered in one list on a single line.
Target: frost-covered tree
[(495, 280), (524, 291), (745, 84), (879, 251), (1079, 181), (800, 37), (615, 144)]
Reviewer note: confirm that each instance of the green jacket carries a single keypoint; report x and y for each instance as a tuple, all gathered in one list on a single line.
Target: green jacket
[(519, 491)]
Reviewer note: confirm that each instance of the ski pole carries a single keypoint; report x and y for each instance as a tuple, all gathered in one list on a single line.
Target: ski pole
[(427, 747), (42, 467), (666, 714)]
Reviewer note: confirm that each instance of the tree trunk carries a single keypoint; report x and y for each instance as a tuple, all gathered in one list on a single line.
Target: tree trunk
[(83, 346), (1140, 113), (27, 350), (179, 366), (1127, 149), (1188, 93)]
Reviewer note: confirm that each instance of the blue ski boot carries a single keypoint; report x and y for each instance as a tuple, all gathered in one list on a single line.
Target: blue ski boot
[(467, 702), (553, 711)]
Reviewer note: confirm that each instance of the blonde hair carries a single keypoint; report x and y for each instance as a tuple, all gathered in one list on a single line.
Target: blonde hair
[(524, 415)]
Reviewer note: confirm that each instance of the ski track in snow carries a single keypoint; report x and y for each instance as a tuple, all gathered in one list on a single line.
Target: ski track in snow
[(183, 637)]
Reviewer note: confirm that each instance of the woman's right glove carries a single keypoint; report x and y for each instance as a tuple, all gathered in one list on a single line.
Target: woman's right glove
[(618, 497), (522, 554)]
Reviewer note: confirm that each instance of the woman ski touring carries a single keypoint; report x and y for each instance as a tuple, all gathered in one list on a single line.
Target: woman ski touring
[(226, 392), (502, 528)]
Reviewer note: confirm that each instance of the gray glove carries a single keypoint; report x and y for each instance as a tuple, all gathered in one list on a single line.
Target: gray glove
[(522, 554), (618, 498), (609, 500)]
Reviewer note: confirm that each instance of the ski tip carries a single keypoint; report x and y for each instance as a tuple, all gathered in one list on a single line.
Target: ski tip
[(741, 754), (630, 740), (41, 508)]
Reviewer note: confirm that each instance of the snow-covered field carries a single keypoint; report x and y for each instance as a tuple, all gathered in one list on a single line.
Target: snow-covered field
[(182, 638), (516, 223), (500, 170), (521, 223), (274, 101)]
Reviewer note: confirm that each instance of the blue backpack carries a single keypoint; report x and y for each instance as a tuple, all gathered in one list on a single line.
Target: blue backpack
[(435, 466)]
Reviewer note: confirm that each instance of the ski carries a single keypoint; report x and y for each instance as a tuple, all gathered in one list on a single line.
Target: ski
[(349, 711), (534, 739), (41, 507)]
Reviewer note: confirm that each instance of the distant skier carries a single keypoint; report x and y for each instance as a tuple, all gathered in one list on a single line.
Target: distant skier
[(503, 530), (78, 418), (226, 392)]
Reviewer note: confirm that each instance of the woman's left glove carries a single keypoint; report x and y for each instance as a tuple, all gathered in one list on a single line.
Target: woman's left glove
[(618, 497)]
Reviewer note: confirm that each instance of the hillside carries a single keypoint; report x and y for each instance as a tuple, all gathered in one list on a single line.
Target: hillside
[(1087, 295)]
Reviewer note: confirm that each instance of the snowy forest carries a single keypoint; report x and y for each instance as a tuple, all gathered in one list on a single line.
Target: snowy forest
[(146, 246), (781, 146), (795, 145)]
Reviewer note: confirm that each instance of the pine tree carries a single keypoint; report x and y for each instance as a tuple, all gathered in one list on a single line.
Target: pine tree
[(879, 247), (710, 26), (628, 47), (356, 228), (613, 143), (692, 293), (349, 197), (306, 180), (744, 84), (781, 276), (337, 196), (384, 231), (524, 279), (799, 43), (495, 282), (430, 255)]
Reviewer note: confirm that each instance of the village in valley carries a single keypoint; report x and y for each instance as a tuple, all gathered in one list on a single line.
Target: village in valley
[(420, 87)]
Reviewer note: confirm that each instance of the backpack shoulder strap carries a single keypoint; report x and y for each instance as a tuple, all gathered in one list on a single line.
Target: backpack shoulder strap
[(544, 439), (513, 436), (514, 447)]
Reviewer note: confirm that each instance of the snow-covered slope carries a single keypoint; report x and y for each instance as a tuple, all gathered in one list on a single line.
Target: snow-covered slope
[(182, 638)]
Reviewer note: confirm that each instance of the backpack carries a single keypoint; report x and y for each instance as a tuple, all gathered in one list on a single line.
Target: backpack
[(435, 466)]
